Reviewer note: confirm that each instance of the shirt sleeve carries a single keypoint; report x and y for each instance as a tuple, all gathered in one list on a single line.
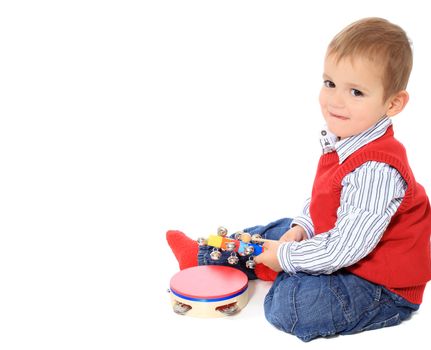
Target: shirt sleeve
[(304, 220), (370, 196)]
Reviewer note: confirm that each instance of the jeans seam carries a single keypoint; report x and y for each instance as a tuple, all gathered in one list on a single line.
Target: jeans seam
[(382, 324), (346, 314), (378, 294), (295, 313)]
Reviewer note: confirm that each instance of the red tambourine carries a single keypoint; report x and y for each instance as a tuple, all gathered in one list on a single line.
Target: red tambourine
[(209, 291)]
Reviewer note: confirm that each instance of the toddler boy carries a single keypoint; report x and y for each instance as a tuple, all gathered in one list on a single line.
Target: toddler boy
[(358, 257)]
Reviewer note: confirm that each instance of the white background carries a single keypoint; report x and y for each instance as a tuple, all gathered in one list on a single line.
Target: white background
[(122, 119)]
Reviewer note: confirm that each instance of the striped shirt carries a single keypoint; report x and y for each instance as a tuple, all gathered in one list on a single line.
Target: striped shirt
[(370, 196)]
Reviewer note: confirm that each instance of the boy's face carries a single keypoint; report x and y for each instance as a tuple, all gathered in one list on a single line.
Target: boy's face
[(351, 98)]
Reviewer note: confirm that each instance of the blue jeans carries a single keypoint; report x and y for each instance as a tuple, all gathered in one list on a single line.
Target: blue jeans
[(311, 306)]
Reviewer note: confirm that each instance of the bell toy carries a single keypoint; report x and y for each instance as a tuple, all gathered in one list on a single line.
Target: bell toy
[(243, 244)]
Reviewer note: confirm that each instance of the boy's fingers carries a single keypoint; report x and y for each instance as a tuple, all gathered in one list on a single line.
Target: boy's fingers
[(267, 245), (258, 259)]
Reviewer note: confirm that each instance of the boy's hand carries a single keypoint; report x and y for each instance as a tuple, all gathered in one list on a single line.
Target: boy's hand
[(269, 256), (296, 233)]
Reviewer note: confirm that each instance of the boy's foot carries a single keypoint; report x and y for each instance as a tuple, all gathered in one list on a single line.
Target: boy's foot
[(184, 248)]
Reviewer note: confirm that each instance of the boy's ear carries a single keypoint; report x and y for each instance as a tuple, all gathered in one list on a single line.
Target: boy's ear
[(397, 103)]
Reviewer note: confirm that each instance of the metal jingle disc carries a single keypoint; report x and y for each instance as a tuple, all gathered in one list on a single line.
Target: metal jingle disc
[(180, 308)]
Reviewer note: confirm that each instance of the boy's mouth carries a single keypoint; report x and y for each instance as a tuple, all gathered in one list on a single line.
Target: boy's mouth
[(340, 117)]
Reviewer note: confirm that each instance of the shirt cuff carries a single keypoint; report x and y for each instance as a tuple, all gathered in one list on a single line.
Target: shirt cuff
[(283, 256), (305, 223)]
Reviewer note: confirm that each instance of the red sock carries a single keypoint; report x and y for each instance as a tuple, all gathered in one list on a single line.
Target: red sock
[(184, 248), (264, 273)]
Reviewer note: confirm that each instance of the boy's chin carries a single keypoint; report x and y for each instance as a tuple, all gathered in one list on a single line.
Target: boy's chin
[(339, 130), (336, 131)]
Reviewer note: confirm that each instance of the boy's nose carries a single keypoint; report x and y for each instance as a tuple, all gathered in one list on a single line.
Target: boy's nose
[(336, 100)]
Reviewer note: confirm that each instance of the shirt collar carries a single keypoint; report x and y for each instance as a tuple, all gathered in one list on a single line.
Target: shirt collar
[(349, 145)]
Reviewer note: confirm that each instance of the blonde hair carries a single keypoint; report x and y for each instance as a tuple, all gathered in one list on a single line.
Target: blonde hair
[(383, 43)]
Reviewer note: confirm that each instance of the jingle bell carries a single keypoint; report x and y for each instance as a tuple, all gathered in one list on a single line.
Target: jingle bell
[(233, 259), (221, 231), (230, 246), (215, 254), (250, 263), (202, 241), (237, 235), (249, 250)]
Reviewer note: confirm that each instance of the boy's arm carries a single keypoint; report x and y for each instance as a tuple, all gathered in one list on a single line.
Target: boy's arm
[(304, 220), (362, 219)]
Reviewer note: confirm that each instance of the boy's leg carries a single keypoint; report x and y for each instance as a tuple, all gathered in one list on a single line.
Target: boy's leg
[(317, 306), (273, 230)]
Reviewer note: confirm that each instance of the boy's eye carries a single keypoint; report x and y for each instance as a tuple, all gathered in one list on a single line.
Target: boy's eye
[(328, 84), (356, 93)]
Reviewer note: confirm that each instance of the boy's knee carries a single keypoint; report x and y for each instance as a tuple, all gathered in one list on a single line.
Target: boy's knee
[(279, 303), (301, 305)]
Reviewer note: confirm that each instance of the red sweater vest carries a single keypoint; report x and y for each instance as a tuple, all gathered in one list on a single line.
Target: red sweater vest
[(401, 260)]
